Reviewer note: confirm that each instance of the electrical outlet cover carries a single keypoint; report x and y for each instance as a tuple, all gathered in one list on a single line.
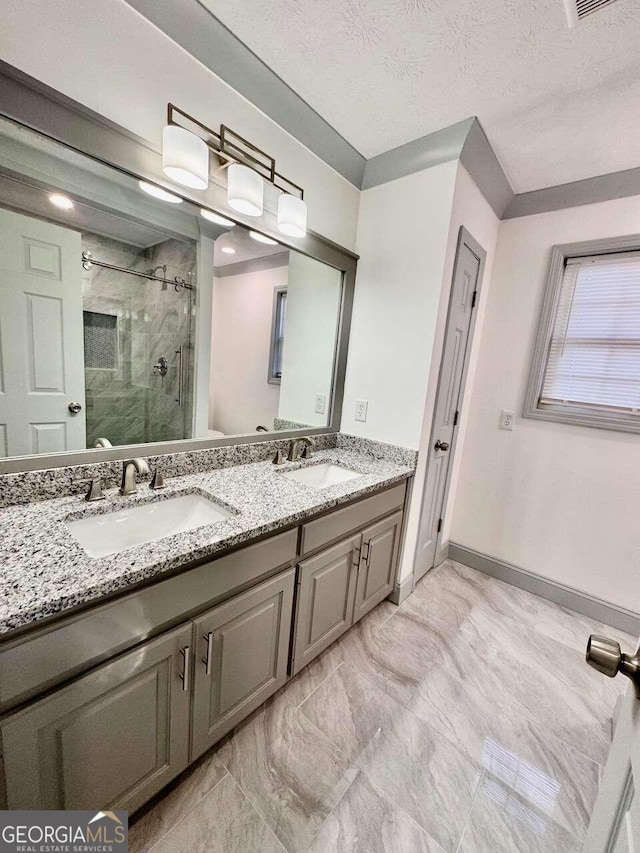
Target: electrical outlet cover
[(321, 400), (361, 410), (507, 419)]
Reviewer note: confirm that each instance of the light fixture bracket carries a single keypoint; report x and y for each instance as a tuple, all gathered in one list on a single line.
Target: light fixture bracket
[(230, 147)]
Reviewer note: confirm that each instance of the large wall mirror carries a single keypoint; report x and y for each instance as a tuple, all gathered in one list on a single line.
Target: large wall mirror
[(129, 318)]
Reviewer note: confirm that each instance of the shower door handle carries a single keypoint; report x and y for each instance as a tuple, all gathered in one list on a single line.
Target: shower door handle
[(180, 372)]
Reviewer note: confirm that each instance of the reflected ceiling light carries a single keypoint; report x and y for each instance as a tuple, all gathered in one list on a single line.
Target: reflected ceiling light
[(245, 190), (292, 216), (158, 192), (261, 238), (61, 201), (228, 250), (215, 217), (185, 157)]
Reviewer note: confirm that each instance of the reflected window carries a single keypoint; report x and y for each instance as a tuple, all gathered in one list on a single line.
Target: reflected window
[(277, 335)]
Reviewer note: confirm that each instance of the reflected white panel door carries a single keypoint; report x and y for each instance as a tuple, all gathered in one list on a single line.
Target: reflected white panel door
[(41, 337), (615, 821), (465, 280)]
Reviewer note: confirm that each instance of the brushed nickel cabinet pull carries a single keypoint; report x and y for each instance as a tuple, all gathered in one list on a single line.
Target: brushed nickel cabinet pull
[(207, 660), (186, 666)]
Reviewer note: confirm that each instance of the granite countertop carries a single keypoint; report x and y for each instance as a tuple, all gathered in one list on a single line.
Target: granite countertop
[(45, 571)]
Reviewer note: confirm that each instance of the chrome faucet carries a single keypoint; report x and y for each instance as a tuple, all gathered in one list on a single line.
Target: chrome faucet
[(307, 450), (129, 470)]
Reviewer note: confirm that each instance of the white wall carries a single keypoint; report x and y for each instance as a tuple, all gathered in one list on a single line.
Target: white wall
[(403, 230), (471, 210), (558, 500), (240, 396), (313, 309), (108, 57)]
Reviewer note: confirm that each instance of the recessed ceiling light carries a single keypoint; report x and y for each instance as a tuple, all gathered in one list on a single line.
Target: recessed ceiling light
[(61, 201), (158, 192), (261, 238), (215, 217), (228, 250)]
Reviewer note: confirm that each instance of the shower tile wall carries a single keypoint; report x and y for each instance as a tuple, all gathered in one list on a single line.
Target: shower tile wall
[(130, 404)]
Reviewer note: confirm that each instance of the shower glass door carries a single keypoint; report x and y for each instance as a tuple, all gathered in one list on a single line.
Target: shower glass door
[(138, 353)]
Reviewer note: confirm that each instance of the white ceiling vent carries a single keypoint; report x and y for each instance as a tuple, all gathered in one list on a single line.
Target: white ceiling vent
[(579, 9)]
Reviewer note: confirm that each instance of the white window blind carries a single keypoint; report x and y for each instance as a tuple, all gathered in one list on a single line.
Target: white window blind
[(594, 353), (277, 332)]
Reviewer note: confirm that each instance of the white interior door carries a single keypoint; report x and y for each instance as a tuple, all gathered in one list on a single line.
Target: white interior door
[(465, 280), (615, 821), (41, 337)]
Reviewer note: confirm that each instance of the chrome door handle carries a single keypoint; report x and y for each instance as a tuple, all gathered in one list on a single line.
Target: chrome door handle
[(207, 660), (368, 554), (606, 656), (441, 445), (74, 408), (186, 665)]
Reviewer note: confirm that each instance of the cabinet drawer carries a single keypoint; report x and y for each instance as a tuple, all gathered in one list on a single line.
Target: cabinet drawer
[(114, 737), (338, 524), (47, 657)]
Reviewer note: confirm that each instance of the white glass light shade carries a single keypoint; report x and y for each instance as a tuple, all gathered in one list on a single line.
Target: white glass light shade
[(215, 217), (245, 190), (185, 157), (158, 192), (292, 216), (262, 238)]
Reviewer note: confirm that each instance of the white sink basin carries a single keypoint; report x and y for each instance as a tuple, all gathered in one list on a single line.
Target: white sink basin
[(113, 532), (321, 476)]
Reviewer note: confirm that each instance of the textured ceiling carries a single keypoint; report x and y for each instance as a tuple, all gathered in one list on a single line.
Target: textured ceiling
[(557, 104)]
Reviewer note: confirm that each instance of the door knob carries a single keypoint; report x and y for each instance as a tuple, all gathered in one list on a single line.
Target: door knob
[(606, 656), (74, 408), (441, 445)]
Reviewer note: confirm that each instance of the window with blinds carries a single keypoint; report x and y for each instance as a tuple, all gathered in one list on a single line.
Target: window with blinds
[(277, 335), (593, 358)]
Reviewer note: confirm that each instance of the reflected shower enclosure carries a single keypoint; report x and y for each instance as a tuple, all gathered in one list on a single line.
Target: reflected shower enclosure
[(138, 353)]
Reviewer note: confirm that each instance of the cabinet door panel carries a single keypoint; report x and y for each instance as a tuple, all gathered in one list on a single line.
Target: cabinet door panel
[(111, 739), (249, 646), (380, 544), (324, 609)]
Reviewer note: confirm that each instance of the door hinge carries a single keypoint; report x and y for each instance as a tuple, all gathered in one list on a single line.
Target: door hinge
[(455, 418), (473, 299), (439, 525)]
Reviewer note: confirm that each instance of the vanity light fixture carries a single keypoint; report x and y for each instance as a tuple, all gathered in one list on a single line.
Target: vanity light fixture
[(262, 238), (61, 201), (292, 216), (228, 250), (185, 157), (245, 190), (215, 217), (247, 166), (158, 192)]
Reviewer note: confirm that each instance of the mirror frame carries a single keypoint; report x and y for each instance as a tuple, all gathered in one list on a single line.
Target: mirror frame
[(30, 103)]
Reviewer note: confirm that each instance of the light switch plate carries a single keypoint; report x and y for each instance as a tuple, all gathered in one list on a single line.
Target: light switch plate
[(361, 410), (507, 419), (321, 402)]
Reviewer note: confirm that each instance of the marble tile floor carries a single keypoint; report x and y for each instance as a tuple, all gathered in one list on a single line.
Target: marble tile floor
[(463, 721)]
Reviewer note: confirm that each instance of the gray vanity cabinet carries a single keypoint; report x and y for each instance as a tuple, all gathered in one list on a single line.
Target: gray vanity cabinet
[(324, 600), (112, 739), (242, 648), (380, 544)]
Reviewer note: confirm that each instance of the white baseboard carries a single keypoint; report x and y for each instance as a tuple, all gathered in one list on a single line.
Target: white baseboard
[(402, 590)]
